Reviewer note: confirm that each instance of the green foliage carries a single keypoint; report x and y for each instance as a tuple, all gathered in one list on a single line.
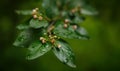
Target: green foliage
[(24, 26), (70, 31), (35, 23), (55, 19), (24, 38), (88, 10), (37, 49), (64, 53), (24, 12)]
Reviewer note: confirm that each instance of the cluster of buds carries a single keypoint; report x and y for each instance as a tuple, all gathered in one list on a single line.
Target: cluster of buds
[(52, 38), (43, 40), (66, 22), (36, 14), (74, 27)]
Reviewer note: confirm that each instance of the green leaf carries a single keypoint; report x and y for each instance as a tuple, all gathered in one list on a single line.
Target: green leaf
[(24, 12), (35, 23), (37, 49), (24, 25), (24, 38), (75, 18), (68, 32), (81, 31), (64, 53), (88, 10), (78, 19), (51, 10)]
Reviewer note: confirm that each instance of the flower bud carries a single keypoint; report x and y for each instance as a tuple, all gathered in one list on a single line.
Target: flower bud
[(34, 12), (53, 41), (40, 18), (59, 46), (36, 9), (74, 27), (43, 41), (35, 16), (65, 25), (55, 36), (41, 38), (66, 21)]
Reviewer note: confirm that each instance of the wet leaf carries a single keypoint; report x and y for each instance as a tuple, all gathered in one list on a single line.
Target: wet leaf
[(88, 10), (37, 49), (50, 8), (81, 31), (64, 53), (24, 38), (24, 12), (68, 32), (24, 25), (78, 19), (52, 12), (35, 23)]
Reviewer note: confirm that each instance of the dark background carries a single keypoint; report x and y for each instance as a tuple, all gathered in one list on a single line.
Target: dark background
[(101, 53)]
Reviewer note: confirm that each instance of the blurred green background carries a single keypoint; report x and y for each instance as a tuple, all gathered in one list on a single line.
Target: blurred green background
[(101, 53)]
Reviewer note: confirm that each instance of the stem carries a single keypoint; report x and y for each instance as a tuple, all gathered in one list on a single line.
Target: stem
[(51, 27), (48, 19)]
